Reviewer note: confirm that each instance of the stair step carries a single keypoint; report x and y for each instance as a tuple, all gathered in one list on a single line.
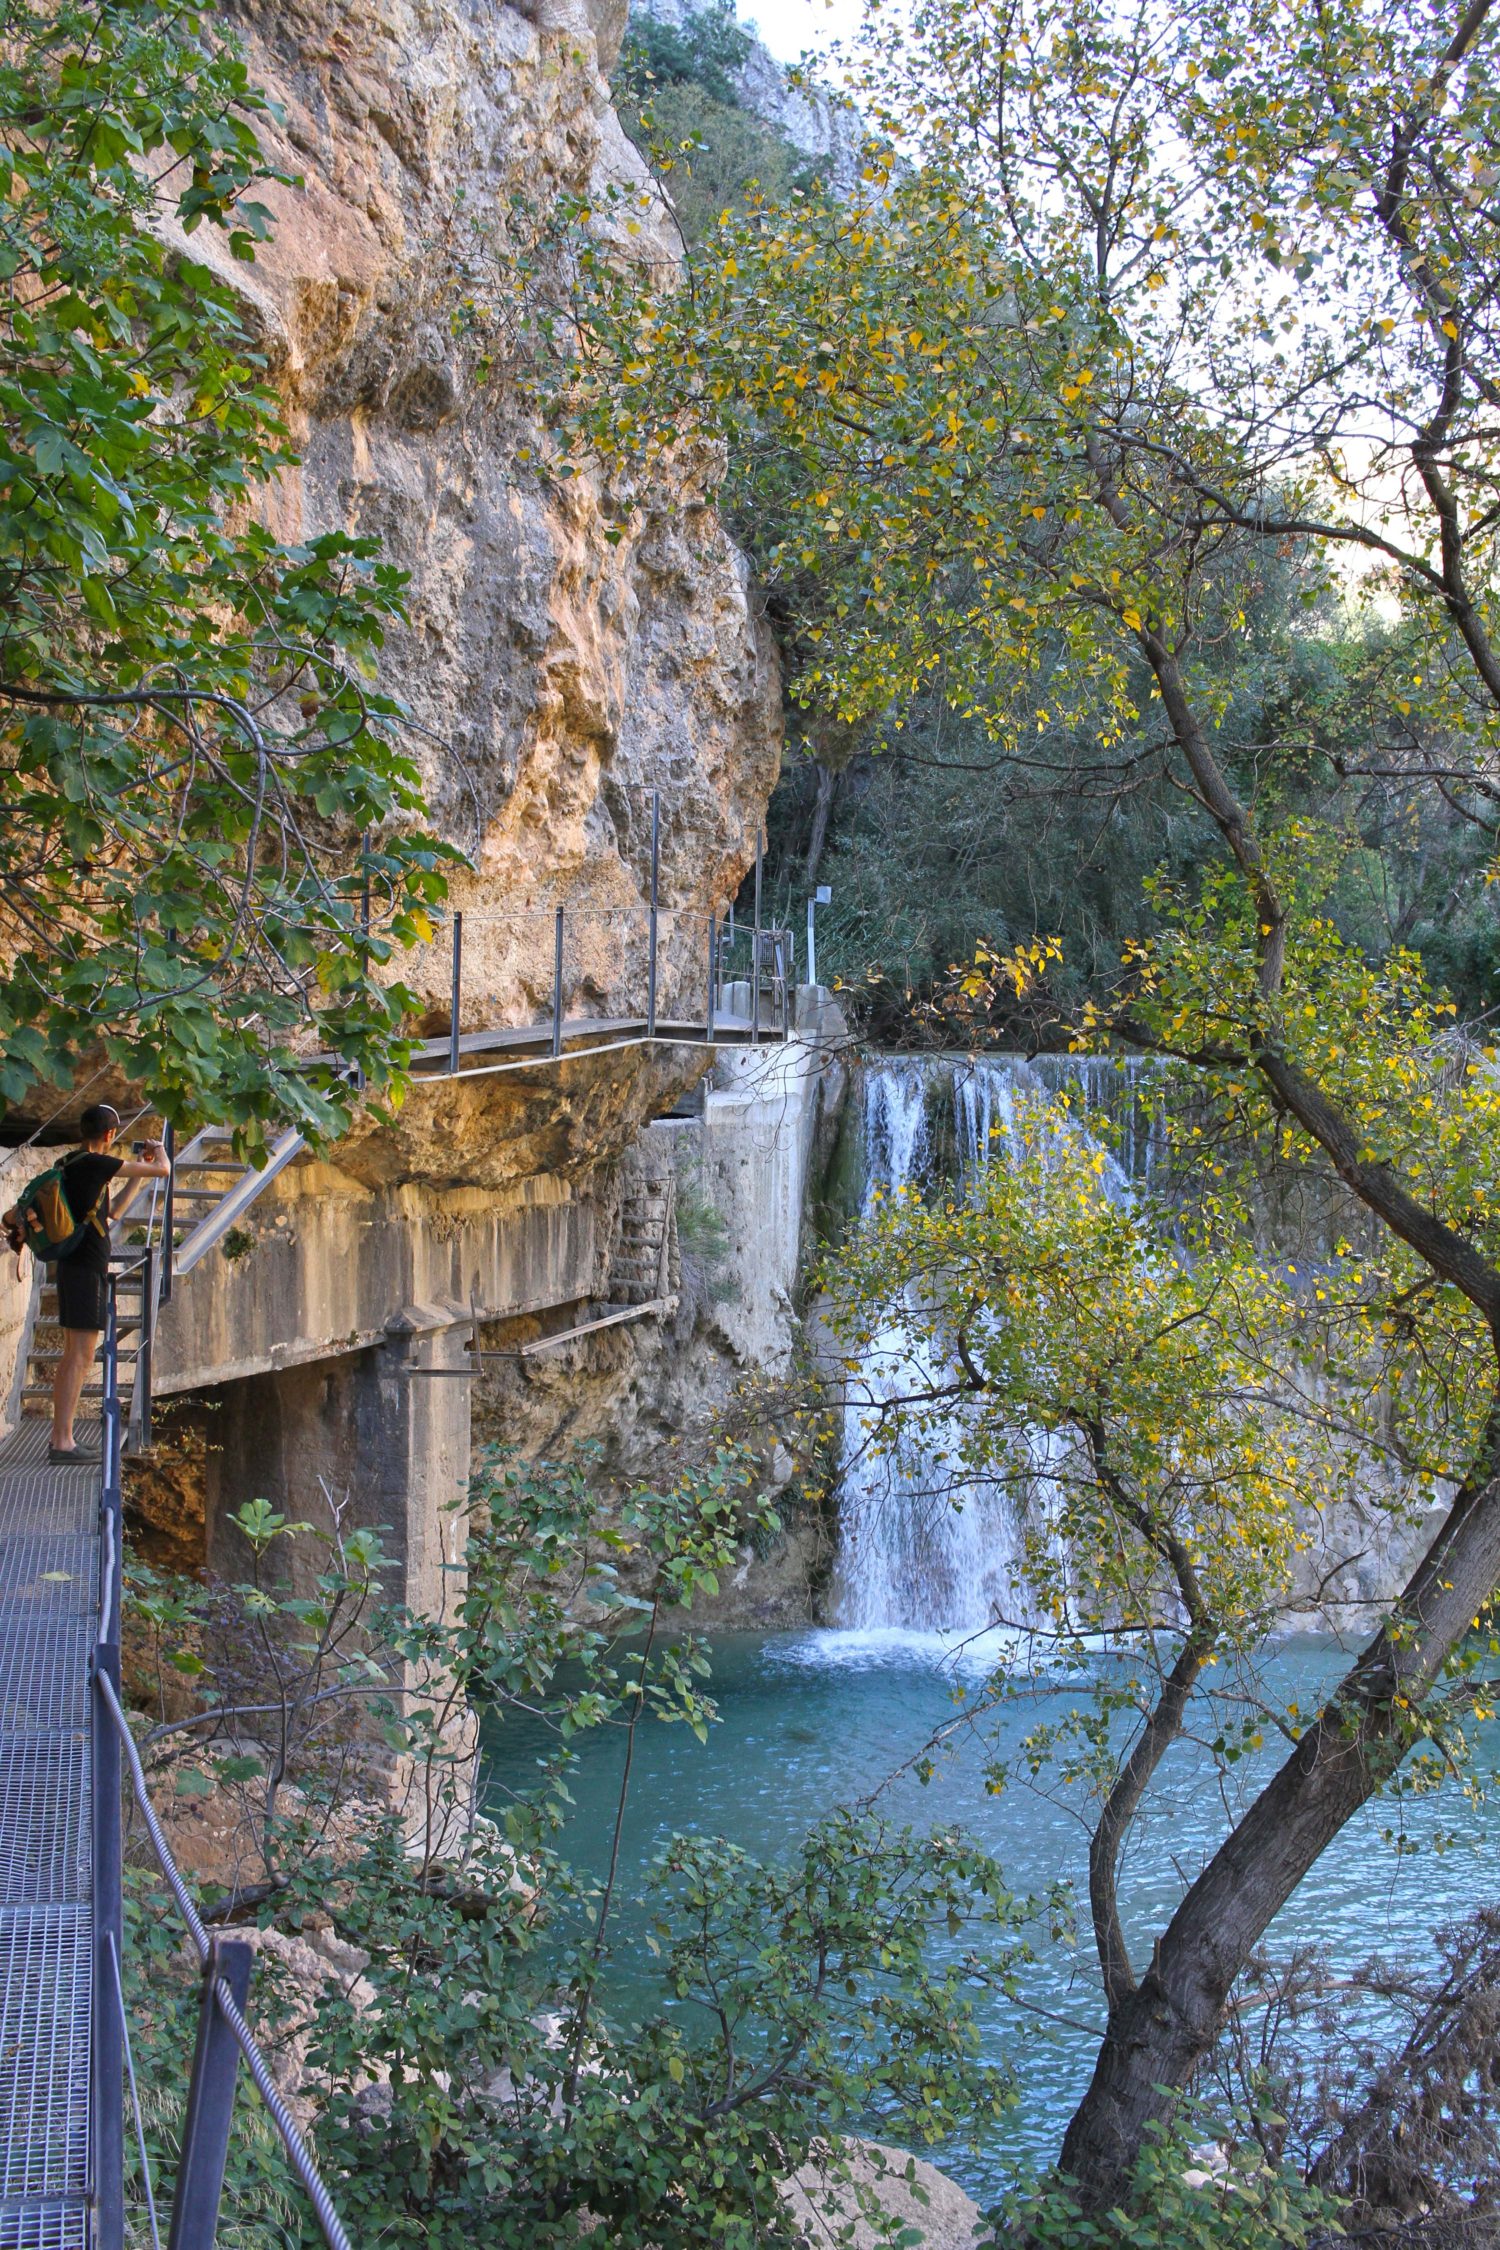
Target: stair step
[(48, 1330), (45, 1355)]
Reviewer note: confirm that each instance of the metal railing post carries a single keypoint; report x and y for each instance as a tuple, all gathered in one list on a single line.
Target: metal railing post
[(210, 2106), (760, 849), (107, 2052), (107, 2155), (457, 994), (140, 1416), (655, 902), (169, 1212), (557, 984), (713, 971), (112, 1436)]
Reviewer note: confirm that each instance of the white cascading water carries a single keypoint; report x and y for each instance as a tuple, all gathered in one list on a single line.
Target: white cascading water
[(923, 1547)]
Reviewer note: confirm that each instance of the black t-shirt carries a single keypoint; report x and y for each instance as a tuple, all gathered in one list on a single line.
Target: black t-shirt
[(85, 1176)]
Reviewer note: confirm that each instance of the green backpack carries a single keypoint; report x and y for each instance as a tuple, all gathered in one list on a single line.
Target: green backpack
[(43, 1221)]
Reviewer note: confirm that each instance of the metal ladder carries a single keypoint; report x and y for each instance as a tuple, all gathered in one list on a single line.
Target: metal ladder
[(639, 1271)]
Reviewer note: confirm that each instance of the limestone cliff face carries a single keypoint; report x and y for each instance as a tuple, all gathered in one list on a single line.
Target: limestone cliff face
[(565, 656)]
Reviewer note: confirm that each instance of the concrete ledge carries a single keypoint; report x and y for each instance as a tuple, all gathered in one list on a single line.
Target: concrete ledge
[(322, 1267)]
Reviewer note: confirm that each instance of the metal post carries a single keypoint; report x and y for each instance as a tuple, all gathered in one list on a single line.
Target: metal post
[(557, 984), (655, 901), (364, 884), (819, 897), (205, 2131), (760, 841), (458, 985), (169, 1215), (111, 1435), (107, 2053), (140, 1420), (107, 2154), (713, 972)]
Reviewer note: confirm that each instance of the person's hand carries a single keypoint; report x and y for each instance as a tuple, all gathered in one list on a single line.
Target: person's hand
[(156, 1150)]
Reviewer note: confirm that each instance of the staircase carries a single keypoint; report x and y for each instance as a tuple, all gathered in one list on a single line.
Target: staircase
[(133, 1297), (161, 1234)]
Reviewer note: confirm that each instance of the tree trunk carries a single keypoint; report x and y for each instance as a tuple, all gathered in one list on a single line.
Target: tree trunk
[(822, 807), (1158, 2034)]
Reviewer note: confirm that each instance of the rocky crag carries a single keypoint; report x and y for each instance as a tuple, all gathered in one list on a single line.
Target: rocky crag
[(571, 648), (825, 131)]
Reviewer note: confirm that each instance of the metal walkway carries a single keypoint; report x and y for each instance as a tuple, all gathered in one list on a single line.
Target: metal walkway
[(49, 1624), (65, 1746)]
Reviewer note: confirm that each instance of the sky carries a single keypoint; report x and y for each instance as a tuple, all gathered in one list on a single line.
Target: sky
[(788, 27)]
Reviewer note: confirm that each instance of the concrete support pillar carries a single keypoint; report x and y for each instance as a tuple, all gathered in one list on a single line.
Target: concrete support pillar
[(376, 1439), (367, 1440)]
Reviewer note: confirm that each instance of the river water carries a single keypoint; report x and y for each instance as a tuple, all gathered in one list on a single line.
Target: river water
[(811, 1720)]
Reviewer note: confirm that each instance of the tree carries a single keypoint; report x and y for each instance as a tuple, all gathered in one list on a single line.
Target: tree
[(208, 825), (1131, 301)]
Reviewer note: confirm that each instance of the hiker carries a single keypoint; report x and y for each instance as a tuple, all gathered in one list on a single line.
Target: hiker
[(83, 1273)]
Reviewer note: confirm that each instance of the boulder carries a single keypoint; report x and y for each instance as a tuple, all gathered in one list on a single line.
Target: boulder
[(906, 2187)]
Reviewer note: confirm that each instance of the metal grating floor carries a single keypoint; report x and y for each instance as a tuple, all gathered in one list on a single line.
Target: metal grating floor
[(44, 2051), (44, 2226), (49, 1566), (44, 1664), (43, 1826), (26, 1448), (55, 1577), (39, 1501)]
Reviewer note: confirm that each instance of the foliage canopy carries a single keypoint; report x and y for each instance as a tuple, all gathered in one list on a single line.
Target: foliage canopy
[(194, 742)]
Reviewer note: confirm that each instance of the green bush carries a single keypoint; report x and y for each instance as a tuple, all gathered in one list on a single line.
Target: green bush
[(1240, 2205)]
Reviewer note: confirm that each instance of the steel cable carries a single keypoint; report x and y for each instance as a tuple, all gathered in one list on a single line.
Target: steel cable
[(135, 2094), (302, 2163)]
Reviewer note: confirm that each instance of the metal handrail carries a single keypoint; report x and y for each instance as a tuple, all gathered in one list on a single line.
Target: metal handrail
[(216, 1224), (106, 2046), (770, 970), (223, 1999), (110, 1736)]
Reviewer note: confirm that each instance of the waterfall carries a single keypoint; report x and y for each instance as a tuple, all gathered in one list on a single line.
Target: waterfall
[(924, 1547)]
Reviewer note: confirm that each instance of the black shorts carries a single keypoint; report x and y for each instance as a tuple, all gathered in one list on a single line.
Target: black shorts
[(82, 1295)]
